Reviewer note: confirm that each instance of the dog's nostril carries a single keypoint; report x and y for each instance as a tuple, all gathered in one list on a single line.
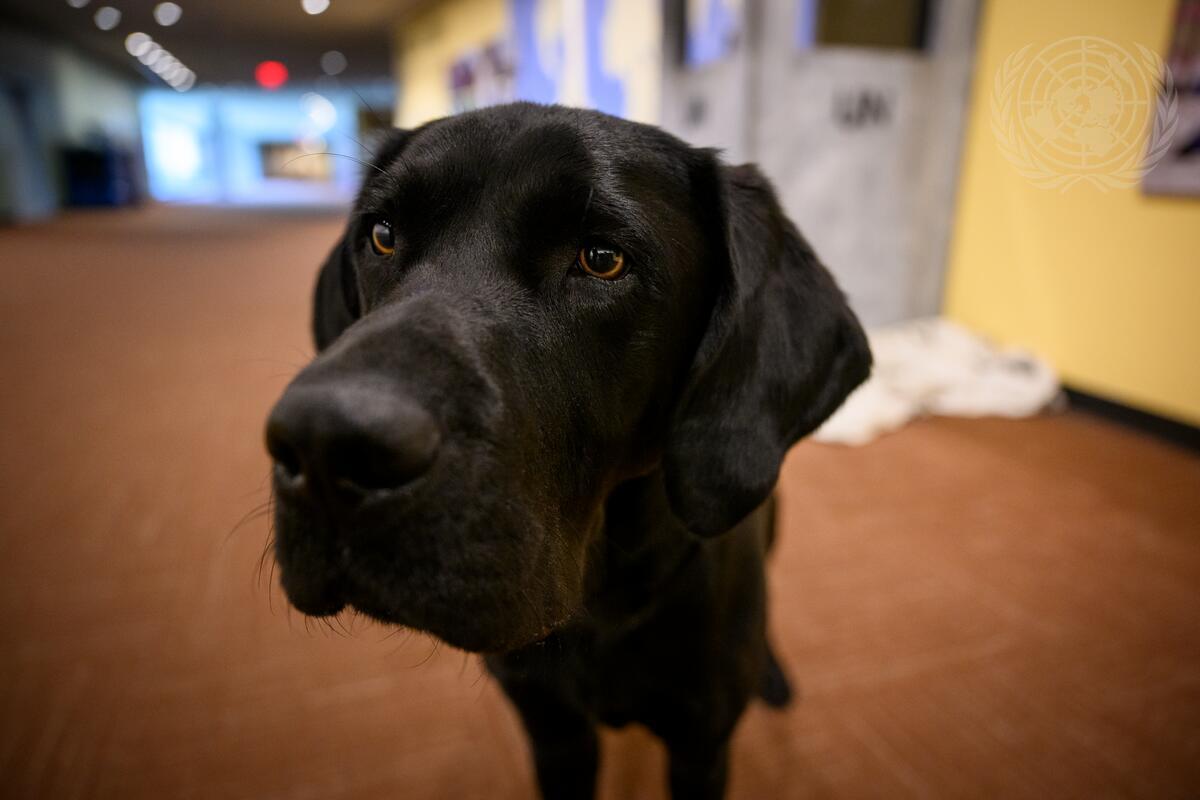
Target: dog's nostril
[(288, 466), (388, 458), (370, 473), (289, 469)]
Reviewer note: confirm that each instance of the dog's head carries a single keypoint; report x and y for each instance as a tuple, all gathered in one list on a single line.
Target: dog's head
[(531, 305)]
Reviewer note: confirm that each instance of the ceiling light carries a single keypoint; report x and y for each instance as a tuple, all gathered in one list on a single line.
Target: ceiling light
[(333, 63), (314, 6), (107, 18), (78, 3), (138, 43), (157, 58), (167, 14)]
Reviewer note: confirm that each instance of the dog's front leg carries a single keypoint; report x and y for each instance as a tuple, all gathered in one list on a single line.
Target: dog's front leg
[(698, 771), (562, 738)]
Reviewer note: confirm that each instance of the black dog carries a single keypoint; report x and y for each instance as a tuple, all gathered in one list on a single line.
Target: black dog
[(562, 358)]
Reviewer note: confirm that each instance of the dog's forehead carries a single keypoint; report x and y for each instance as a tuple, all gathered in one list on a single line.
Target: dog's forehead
[(513, 144)]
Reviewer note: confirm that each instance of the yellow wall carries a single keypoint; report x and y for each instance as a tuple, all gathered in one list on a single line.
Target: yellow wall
[(430, 42), (1104, 283)]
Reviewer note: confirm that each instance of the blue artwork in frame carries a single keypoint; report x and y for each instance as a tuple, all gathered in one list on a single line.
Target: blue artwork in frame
[(714, 28)]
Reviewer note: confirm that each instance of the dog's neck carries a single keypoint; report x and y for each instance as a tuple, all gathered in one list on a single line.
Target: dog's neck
[(642, 547), (638, 552)]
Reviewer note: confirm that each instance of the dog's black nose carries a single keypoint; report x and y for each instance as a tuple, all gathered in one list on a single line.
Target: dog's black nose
[(343, 440)]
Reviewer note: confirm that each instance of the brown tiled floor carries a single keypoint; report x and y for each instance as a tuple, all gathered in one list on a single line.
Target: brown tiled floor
[(973, 608)]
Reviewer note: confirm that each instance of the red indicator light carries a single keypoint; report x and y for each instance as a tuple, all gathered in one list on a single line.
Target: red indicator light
[(271, 74)]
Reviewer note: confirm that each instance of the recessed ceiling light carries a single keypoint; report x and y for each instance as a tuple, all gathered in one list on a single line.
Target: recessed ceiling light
[(333, 63), (186, 82), (166, 66), (78, 3), (107, 18), (138, 43), (314, 6), (167, 14)]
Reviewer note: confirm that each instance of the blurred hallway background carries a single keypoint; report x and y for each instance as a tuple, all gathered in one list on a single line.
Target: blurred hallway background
[(971, 607)]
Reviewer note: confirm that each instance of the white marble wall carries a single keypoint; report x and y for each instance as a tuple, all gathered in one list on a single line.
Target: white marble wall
[(863, 145)]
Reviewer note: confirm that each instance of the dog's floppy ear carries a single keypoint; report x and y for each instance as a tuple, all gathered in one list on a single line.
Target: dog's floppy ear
[(335, 301), (781, 352)]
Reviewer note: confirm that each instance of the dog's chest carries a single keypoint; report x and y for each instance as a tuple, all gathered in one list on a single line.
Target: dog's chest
[(635, 675)]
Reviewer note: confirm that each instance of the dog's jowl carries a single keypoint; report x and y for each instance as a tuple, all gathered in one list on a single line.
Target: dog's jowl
[(562, 356)]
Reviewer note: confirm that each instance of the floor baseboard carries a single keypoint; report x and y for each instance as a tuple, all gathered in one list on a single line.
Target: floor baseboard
[(1179, 433)]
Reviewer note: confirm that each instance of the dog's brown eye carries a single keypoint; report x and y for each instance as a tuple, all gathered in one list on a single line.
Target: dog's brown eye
[(601, 261), (383, 240)]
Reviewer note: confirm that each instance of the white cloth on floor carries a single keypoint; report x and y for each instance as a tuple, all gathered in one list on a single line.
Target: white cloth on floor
[(934, 366)]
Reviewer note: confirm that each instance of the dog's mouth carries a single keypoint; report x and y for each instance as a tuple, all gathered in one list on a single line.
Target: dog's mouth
[(477, 613), (314, 597), (331, 597)]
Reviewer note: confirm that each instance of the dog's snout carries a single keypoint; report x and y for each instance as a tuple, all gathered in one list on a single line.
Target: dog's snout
[(340, 441)]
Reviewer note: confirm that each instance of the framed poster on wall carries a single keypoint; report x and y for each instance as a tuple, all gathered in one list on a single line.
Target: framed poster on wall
[(1178, 172)]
